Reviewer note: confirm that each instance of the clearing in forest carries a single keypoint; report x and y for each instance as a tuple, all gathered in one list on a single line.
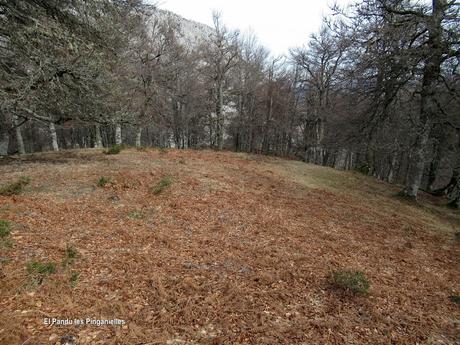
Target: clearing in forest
[(203, 247)]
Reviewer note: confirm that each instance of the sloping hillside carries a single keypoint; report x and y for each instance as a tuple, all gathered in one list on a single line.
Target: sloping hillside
[(202, 247)]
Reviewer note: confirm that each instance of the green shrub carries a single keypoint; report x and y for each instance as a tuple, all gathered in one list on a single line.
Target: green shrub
[(363, 169), (136, 214), (39, 271), (73, 278), (35, 267), (4, 228), (164, 183), (14, 188), (354, 281), (103, 181), (114, 150), (71, 252), (455, 299), (70, 255)]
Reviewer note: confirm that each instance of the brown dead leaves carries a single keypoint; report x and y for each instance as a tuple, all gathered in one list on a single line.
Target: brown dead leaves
[(235, 251)]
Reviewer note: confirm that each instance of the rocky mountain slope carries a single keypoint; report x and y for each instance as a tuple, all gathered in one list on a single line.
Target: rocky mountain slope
[(191, 33)]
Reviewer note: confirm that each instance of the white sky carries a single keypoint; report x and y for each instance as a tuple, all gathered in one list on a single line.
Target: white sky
[(279, 25)]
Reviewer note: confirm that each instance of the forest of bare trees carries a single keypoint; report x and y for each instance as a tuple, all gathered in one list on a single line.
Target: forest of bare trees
[(377, 89)]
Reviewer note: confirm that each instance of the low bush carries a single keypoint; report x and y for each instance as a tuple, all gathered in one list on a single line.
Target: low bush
[(455, 299), (70, 255), (35, 267), (164, 183), (103, 181), (114, 150), (39, 271), (136, 214), (363, 169), (73, 278), (15, 187), (5, 228), (354, 281), (71, 252)]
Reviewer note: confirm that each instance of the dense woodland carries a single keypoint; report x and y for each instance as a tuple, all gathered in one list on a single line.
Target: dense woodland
[(376, 89)]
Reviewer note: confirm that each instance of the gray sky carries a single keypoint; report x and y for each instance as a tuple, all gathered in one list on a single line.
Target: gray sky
[(279, 25)]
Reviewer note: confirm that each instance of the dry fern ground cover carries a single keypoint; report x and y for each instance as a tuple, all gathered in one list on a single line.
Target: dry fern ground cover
[(234, 249)]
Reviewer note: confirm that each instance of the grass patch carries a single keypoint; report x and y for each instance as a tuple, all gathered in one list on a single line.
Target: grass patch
[(103, 181), (5, 228), (71, 252), (163, 150), (70, 255), (39, 271), (114, 150), (354, 281), (73, 278), (35, 267), (136, 214), (164, 183), (15, 187), (455, 299)]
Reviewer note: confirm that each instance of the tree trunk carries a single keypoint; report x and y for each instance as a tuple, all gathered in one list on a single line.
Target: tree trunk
[(118, 140), (391, 171), (54, 142), (341, 159), (219, 115), (428, 107), (138, 136), (417, 164), (19, 138), (98, 141), (4, 140), (454, 193)]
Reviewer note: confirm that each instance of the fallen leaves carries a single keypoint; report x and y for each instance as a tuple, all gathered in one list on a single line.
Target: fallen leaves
[(235, 252)]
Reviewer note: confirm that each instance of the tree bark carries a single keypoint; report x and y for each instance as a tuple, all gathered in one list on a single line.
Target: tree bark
[(54, 142), (4, 140), (4, 134), (341, 159), (391, 171), (428, 107), (118, 140), (417, 164), (219, 115), (138, 136), (19, 139), (98, 141)]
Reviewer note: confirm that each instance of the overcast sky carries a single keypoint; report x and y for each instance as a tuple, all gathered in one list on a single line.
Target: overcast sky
[(279, 25)]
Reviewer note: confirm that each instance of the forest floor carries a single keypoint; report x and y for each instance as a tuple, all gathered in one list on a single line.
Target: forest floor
[(231, 248)]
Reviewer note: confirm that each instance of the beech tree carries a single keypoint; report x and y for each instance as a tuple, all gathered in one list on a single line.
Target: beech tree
[(220, 55)]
